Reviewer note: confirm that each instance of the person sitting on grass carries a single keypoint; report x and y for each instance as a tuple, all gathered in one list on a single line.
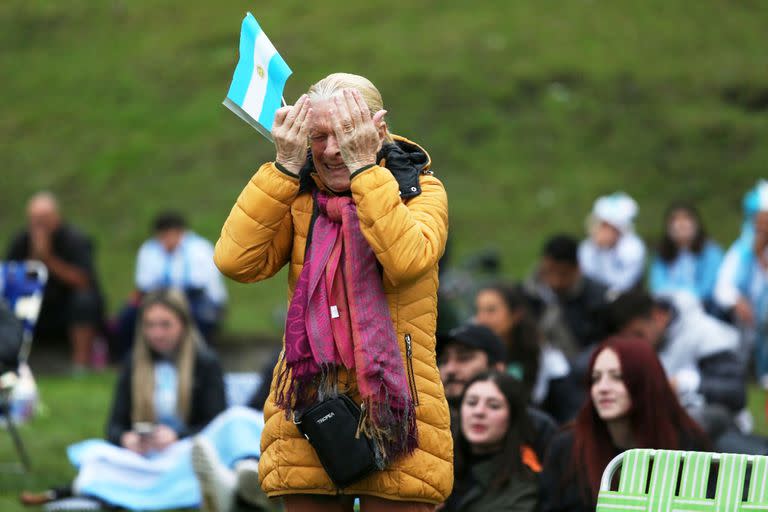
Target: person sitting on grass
[(468, 351), (701, 358), (613, 254), (542, 368), (572, 300), (72, 307), (742, 283), (627, 390), (495, 466), (170, 389), (687, 259), (176, 257)]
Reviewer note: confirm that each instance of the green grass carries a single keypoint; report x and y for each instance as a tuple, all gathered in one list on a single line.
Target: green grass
[(76, 409), (529, 110)]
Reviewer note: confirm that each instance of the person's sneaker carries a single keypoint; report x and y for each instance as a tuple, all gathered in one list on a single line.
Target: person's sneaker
[(217, 482), (248, 486)]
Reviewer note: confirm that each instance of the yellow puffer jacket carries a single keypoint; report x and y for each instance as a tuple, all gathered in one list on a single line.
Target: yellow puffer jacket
[(405, 221)]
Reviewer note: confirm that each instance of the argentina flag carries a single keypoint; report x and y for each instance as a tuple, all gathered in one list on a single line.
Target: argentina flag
[(257, 85)]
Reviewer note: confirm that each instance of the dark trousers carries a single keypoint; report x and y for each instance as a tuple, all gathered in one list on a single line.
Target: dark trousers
[(58, 314)]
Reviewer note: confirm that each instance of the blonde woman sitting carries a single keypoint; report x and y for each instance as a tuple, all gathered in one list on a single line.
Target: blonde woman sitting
[(170, 389)]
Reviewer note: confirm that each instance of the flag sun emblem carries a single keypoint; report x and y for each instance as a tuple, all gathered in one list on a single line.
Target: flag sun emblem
[(260, 71)]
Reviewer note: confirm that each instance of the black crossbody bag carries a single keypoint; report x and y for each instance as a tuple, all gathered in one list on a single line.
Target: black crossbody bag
[(330, 427)]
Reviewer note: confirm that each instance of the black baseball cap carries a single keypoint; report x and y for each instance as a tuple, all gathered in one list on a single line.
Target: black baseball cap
[(477, 337)]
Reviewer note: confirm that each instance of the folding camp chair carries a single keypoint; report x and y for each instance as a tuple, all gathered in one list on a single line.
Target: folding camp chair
[(21, 291), (22, 284), (670, 480)]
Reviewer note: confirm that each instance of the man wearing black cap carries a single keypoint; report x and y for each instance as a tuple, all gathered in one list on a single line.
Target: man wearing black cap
[(469, 350)]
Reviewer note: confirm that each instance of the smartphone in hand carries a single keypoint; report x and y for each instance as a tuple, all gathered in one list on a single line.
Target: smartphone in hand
[(144, 429)]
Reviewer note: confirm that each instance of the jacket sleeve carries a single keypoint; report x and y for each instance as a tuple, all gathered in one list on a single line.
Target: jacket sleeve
[(209, 398), (408, 237), (544, 430), (559, 491), (120, 415), (563, 399), (727, 292), (256, 239), (722, 380)]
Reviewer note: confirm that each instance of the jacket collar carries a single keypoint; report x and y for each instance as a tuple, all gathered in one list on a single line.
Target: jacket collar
[(406, 160)]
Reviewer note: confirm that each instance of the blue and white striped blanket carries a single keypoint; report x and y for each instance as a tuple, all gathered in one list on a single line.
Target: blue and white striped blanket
[(164, 480)]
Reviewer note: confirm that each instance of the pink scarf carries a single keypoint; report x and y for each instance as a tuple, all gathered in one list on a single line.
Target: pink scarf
[(339, 316)]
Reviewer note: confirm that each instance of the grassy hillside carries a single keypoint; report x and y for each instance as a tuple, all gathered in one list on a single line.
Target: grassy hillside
[(529, 110)]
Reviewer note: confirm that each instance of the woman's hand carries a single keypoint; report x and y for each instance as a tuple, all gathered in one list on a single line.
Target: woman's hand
[(290, 131), (163, 436), (132, 441), (357, 133), (743, 312)]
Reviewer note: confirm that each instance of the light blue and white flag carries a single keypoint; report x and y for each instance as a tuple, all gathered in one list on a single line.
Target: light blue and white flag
[(257, 85)]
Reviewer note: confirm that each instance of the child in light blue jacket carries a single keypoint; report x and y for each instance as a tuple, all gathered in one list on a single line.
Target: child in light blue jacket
[(687, 260)]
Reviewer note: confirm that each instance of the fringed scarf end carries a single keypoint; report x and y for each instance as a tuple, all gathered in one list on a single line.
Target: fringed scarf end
[(294, 389), (391, 425)]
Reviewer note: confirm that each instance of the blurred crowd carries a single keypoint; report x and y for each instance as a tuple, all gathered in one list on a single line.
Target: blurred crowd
[(610, 343)]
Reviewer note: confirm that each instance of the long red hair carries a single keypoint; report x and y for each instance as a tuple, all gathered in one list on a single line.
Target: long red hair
[(657, 418)]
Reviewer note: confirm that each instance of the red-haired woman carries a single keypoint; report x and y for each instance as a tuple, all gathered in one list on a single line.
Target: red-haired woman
[(630, 405)]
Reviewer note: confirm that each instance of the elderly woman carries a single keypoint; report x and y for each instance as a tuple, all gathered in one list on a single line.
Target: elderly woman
[(362, 223)]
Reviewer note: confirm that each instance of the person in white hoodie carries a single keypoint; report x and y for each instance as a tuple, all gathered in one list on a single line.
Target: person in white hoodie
[(700, 355), (742, 283), (613, 254)]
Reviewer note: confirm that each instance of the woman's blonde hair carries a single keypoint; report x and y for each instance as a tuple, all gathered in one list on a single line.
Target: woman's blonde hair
[(334, 83), (143, 376)]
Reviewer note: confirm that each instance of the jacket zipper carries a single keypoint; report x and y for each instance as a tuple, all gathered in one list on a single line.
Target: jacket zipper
[(409, 364)]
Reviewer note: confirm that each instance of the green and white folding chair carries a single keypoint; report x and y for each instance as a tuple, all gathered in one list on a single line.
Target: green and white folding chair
[(649, 482)]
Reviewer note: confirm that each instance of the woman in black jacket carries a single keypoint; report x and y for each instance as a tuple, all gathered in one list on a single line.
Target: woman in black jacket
[(495, 466), (171, 388), (630, 405), (172, 381)]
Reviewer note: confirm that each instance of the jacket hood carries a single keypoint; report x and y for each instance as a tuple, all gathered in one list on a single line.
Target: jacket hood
[(405, 159)]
